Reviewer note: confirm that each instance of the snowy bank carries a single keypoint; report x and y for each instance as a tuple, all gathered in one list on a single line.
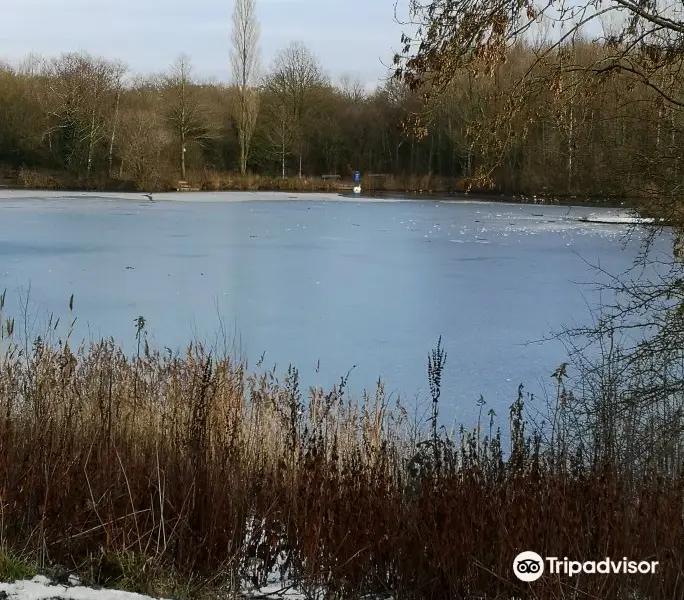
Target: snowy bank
[(41, 588)]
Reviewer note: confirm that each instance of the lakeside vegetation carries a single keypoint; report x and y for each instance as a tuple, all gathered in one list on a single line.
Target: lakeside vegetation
[(192, 476), (216, 181)]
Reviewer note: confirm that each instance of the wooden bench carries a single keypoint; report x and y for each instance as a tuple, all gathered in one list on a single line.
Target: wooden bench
[(183, 186)]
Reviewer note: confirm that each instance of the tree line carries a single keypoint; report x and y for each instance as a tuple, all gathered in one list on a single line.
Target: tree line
[(85, 115), (565, 135)]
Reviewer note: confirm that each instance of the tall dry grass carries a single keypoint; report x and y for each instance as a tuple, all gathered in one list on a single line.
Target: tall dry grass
[(64, 180), (131, 468), (410, 184), (213, 180)]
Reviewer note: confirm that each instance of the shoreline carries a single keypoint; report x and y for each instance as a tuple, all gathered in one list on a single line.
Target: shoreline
[(406, 187), (10, 193)]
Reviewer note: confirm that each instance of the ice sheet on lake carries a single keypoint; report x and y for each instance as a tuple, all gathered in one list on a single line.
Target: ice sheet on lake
[(357, 281)]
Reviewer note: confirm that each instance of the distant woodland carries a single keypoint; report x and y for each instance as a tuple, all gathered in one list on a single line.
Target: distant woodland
[(85, 120)]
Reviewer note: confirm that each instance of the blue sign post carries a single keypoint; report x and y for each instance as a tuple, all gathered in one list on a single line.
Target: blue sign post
[(357, 182)]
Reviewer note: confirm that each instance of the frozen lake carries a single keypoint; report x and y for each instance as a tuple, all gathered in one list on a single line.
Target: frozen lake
[(318, 277)]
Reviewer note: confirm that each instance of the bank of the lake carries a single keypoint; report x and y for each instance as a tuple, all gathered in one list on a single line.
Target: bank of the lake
[(373, 185), (208, 180)]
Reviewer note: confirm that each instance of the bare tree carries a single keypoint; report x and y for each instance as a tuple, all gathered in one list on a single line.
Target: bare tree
[(279, 133), (77, 95), (295, 78), (144, 139), (352, 88), (185, 113), (639, 41), (245, 65), (119, 72)]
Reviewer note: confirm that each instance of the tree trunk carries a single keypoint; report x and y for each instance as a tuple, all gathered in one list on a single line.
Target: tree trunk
[(672, 134), (91, 143), (243, 133), (243, 153), (183, 125), (182, 158), (660, 118), (571, 147), (283, 156), (431, 152), (111, 139), (412, 160), (282, 138), (439, 151)]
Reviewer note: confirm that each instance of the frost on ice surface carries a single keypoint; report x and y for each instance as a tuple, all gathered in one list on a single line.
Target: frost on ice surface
[(626, 219), (40, 588)]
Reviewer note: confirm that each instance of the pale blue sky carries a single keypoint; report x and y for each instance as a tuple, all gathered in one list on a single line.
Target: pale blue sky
[(348, 36)]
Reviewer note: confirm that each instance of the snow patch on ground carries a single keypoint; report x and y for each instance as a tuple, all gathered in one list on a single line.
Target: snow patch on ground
[(41, 588), (275, 591)]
